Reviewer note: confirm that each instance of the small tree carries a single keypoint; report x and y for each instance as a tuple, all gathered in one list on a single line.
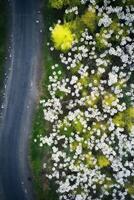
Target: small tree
[(62, 37)]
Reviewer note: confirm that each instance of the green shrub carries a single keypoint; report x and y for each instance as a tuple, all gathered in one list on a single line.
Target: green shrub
[(130, 188), (119, 120), (91, 101), (84, 80), (117, 31), (109, 98), (77, 125), (89, 158), (101, 41), (75, 69), (76, 26), (125, 119), (89, 19), (58, 4), (129, 2), (103, 161)]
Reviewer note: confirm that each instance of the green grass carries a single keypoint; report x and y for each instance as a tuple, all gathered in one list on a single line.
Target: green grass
[(43, 189), (37, 153), (3, 30)]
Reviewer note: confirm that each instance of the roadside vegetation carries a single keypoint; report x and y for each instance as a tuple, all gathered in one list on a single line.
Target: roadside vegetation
[(39, 126), (83, 132), (3, 33)]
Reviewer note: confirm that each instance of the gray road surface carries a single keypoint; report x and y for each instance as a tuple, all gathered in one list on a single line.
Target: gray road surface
[(19, 102)]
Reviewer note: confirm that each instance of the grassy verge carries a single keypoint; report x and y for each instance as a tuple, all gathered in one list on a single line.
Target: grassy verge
[(43, 190), (3, 18)]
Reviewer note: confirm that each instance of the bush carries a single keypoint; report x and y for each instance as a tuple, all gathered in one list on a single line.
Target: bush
[(125, 119), (101, 41), (77, 27), (109, 98), (74, 2), (130, 188), (89, 158), (77, 125), (129, 118), (103, 161), (95, 80), (91, 100), (84, 80), (129, 2), (119, 120), (62, 37), (90, 19), (58, 4)]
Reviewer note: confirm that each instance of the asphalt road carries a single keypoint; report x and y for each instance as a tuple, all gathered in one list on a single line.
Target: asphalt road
[(20, 99)]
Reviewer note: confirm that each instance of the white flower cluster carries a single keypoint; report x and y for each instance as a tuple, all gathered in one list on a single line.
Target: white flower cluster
[(91, 144), (105, 21), (53, 108), (72, 10)]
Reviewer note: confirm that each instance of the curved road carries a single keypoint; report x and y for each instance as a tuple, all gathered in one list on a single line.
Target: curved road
[(20, 98)]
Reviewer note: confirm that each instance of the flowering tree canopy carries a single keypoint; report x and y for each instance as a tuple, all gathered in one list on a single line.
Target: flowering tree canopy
[(91, 137)]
